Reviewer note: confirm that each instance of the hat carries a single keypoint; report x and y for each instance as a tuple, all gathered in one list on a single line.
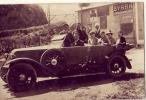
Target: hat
[(96, 24), (92, 32), (109, 32)]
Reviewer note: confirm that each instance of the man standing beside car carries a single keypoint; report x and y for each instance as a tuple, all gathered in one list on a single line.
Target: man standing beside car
[(121, 40)]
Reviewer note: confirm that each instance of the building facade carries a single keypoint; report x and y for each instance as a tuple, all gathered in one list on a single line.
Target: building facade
[(127, 17)]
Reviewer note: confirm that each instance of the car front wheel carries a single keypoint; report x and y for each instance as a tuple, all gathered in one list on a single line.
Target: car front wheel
[(116, 66), (21, 77)]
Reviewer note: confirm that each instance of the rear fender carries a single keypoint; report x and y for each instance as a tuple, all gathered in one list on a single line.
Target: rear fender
[(36, 65)]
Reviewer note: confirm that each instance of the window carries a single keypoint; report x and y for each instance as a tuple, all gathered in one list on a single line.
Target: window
[(93, 13), (127, 28), (103, 11)]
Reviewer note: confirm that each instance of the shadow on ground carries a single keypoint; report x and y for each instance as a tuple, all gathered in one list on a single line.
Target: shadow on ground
[(72, 83)]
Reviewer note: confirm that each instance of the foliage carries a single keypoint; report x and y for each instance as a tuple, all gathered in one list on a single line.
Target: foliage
[(21, 16)]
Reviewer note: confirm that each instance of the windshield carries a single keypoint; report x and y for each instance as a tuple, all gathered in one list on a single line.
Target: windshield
[(58, 37), (57, 40)]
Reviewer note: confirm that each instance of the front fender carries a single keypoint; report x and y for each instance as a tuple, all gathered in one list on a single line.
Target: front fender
[(128, 64), (36, 65)]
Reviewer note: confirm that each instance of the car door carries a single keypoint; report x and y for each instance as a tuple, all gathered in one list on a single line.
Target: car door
[(98, 53), (75, 54)]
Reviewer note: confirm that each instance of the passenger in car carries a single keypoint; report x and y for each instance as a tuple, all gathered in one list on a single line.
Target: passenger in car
[(104, 37), (82, 33), (110, 38), (92, 39), (77, 42)]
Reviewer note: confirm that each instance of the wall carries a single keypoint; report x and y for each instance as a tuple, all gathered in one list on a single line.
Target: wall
[(140, 22), (113, 22), (115, 19)]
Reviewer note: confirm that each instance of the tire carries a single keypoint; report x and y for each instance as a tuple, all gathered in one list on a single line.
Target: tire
[(116, 66), (21, 77), (54, 61)]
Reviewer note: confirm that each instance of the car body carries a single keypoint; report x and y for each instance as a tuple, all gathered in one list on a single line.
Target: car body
[(56, 61)]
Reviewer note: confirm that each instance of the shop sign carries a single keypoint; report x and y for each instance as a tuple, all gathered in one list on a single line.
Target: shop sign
[(119, 7)]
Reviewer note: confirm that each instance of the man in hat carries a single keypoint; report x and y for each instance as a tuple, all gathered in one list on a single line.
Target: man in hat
[(110, 38), (104, 37)]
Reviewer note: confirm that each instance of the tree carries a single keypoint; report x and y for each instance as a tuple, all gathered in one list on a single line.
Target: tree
[(21, 16)]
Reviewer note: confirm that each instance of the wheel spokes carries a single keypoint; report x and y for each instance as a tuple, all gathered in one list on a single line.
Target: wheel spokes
[(21, 78), (49, 61)]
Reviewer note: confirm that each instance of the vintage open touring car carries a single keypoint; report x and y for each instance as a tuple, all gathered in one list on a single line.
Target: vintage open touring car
[(24, 65)]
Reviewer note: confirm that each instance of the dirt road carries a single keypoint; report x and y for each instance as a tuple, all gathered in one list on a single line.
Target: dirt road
[(92, 87)]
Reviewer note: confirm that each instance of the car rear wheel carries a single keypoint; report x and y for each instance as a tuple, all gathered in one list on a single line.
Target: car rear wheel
[(21, 77), (54, 61), (116, 66)]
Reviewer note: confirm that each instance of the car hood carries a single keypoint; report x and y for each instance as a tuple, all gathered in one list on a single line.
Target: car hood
[(54, 44)]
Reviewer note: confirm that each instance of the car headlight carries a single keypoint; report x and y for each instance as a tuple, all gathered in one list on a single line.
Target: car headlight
[(12, 56), (6, 65)]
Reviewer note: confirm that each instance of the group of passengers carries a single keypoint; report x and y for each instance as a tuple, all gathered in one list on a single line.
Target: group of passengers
[(79, 37)]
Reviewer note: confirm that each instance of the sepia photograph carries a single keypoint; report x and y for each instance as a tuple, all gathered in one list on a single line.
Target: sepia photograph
[(72, 51)]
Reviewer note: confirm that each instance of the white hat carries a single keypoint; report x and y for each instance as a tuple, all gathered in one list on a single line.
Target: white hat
[(96, 24), (108, 32)]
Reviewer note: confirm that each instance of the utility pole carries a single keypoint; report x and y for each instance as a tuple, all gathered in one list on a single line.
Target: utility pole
[(81, 15), (49, 18), (81, 6)]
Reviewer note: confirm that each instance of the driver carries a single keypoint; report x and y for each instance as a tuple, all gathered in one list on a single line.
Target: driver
[(68, 40)]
